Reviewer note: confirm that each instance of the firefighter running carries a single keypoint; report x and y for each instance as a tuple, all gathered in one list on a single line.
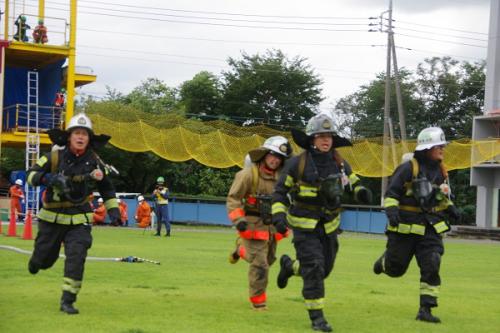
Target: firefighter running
[(315, 181), (70, 174), (249, 208), (418, 205)]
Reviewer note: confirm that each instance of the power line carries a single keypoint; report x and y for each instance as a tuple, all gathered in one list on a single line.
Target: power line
[(206, 58), (441, 40), (440, 34), (233, 14), (205, 65), (443, 28), (225, 40), (217, 24)]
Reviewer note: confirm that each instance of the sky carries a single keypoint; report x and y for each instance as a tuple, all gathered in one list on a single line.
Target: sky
[(126, 41)]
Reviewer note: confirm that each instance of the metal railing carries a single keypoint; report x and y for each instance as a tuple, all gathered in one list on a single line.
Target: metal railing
[(15, 118), (57, 29)]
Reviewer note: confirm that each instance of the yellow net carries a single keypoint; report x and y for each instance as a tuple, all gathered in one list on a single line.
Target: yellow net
[(220, 144)]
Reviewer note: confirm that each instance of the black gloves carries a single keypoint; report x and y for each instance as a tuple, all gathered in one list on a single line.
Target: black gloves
[(114, 216), (364, 195), (393, 215), (242, 225), (279, 221), (453, 213), (57, 181)]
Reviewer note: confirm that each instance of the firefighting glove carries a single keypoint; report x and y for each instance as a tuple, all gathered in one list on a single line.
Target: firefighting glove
[(97, 175), (393, 215), (453, 213), (114, 216), (242, 225), (279, 221), (363, 195)]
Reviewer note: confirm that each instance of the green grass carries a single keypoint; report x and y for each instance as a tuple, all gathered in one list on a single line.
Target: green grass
[(195, 289)]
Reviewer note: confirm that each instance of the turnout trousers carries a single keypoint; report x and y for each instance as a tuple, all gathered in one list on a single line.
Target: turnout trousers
[(316, 252), (162, 217), (77, 239), (427, 249), (260, 254)]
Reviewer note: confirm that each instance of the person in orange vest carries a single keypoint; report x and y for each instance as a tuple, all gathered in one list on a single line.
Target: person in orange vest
[(40, 33), (99, 212), (249, 208), (123, 211), (16, 197), (143, 213)]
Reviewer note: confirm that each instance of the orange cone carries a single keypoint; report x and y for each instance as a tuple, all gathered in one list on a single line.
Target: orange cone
[(12, 224), (28, 229)]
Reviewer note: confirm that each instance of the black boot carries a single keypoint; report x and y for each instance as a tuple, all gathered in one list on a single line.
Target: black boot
[(377, 266), (318, 321), (67, 301), (168, 233), (286, 271), (320, 324), (32, 267), (424, 314)]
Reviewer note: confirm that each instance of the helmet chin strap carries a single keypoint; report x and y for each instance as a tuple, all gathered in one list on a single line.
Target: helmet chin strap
[(266, 169), (76, 151)]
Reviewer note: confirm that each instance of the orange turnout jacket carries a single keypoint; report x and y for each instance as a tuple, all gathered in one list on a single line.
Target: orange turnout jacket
[(100, 214), (143, 215), (16, 195)]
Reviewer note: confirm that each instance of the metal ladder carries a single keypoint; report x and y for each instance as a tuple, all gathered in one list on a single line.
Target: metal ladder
[(32, 142)]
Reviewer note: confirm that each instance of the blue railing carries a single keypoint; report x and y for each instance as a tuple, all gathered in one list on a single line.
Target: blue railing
[(368, 219)]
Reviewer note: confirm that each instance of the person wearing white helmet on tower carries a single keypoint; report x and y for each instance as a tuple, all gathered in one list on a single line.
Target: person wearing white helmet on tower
[(71, 175), (249, 208), (418, 206)]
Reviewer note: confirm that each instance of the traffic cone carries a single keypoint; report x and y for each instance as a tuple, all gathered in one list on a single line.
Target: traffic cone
[(12, 224), (28, 230)]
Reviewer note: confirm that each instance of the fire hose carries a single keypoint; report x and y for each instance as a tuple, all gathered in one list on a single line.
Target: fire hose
[(129, 259)]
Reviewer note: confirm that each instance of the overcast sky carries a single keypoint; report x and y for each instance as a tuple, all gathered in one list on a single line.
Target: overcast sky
[(127, 41)]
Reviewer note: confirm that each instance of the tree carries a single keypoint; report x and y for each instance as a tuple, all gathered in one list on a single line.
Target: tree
[(152, 96), (452, 93), (271, 88), (363, 111), (201, 95)]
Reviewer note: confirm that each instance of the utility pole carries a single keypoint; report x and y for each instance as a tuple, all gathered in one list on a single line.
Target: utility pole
[(388, 136), (387, 102), (399, 97)]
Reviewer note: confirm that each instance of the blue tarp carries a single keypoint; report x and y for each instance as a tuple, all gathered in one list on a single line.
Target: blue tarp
[(16, 90)]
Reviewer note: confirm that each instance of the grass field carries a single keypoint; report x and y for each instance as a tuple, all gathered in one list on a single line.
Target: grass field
[(195, 289)]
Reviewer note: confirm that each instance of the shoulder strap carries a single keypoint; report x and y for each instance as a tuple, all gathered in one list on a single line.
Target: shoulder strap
[(302, 165), (255, 178), (414, 168), (54, 160)]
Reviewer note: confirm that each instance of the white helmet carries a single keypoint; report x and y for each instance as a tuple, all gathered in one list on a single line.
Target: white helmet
[(320, 123), (430, 137), (279, 145), (100, 200), (19, 182), (140, 198), (80, 121)]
